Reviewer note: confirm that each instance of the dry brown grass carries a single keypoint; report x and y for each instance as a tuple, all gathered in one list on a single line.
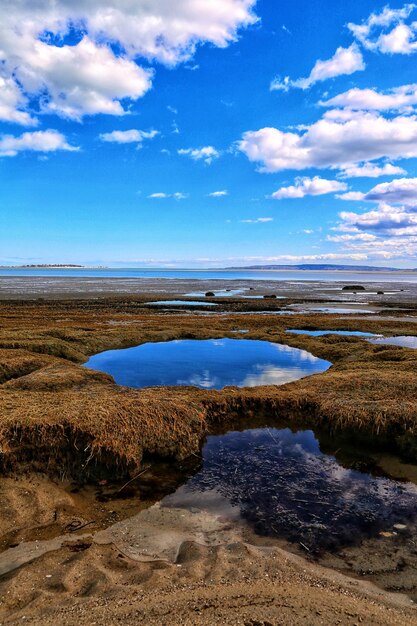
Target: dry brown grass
[(59, 417)]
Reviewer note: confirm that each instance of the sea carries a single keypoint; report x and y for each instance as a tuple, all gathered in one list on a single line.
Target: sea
[(215, 274)]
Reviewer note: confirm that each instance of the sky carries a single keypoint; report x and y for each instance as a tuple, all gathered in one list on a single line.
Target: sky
[(208, 133)]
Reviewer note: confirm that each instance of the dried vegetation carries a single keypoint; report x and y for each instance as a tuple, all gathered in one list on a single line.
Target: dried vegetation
[(59, 417)]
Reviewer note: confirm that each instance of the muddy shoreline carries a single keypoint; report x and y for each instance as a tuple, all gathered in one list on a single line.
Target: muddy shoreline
[(68, 423)]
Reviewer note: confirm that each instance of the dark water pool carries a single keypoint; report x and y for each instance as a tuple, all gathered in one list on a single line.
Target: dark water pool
[(320, 333), (283, 485), (208, 364)]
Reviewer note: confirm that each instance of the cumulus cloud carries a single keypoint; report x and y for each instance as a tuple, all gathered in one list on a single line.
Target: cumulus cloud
[(392, 220), (39, 141), (344, 61), (332, 143), (398, 191), (401, 190), (369, 170), (387, 31), (73, 81), (128, 136), (305, 186), (206, 154), (160, 195), (95, 69), (402, 98), (258, 220), (387, 232), (219, 194)]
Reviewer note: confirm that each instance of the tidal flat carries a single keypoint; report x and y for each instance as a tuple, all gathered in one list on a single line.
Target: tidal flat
[(86, 463)]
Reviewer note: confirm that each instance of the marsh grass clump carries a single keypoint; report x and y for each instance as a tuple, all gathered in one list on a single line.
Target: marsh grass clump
[(61, 418)]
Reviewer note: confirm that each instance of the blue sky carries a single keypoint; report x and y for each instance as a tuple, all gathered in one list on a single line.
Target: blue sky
[(209, 133)]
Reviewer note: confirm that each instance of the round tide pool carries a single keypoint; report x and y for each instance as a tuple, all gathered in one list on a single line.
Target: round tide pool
[(208, 364)]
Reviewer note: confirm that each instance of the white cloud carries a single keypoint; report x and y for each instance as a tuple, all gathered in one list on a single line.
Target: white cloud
[(219, 194), (369, 170), (38, 141), (128, 136), (12, 101), (160, 195), (399, 221), (351, 195), (344, 61), (390, 229), (401, 98), (332, 143), (401, 190), (206, 154), (258, 220), (305, 186), (398, 191), (92, 75), (346, 238), (84, 79), (387, 31)]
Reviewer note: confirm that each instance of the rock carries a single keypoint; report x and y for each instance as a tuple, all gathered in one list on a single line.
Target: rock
[(270, 296), (380, 293), (210, 294), (353, 288)]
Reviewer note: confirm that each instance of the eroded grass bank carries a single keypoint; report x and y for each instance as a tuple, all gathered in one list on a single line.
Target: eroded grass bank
[(59, 417)]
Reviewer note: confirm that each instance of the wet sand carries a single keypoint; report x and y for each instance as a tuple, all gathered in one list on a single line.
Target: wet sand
[(20, 288), (173, 567)]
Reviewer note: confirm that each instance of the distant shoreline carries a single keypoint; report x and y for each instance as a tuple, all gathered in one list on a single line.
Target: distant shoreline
[(54, 267)]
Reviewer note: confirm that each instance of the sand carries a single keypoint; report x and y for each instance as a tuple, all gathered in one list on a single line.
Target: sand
[(175, 567)]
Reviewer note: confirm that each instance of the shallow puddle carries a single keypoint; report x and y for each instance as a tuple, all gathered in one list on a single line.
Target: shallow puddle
[(321, 333), (208, 364), (222, 293), (180, 303), (403, 341), (283, 485), (339, 310)]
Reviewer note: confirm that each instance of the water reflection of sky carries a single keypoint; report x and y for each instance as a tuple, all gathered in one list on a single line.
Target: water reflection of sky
[(284, 486), (181, 303), (208, 364), (222, 293), (320, 333), (404, 342)]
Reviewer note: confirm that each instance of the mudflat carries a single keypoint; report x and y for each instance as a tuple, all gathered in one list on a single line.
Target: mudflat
[(67, 431)]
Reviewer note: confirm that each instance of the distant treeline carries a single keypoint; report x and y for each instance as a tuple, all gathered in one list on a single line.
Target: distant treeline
[(51, 265)]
